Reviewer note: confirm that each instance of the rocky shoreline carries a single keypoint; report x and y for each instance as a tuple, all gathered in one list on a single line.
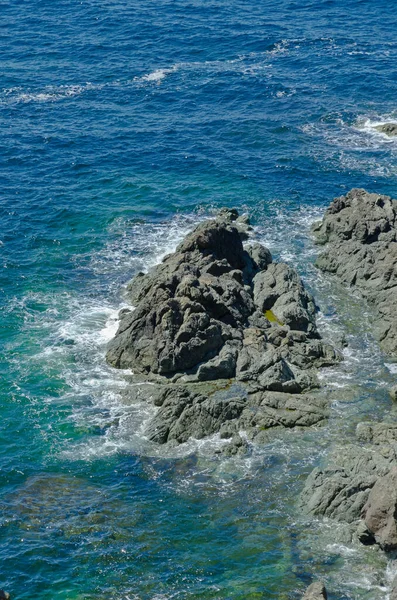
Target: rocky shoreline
[(222, 340)]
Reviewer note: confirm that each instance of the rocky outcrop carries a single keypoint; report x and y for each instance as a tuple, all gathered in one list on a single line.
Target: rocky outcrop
[(216, 311), (4, 595), (315, 591), (380, 511), (389, 129), (340, 491), (188, 411), (360, 487), (360, 230)]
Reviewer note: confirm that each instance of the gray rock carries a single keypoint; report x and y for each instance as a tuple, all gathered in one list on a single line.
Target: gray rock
[(341, 491), (360, 230), (393, 393), (393, 591), (364, 535), (214, 311), (280, 294), (315, 591), (236, 447), (381, 509), (186, 414), (192, 310), (4, 595), (389, 129), (377, 433), (266, 410)]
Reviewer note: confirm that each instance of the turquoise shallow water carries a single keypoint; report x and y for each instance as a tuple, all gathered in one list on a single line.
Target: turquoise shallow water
[(123, 124)]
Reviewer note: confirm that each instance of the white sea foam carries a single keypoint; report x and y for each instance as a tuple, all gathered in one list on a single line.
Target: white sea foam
[(369, 125), (48, 94), (156, 76)]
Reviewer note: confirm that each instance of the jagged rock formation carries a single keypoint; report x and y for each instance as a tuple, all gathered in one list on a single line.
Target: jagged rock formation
[(216, 311), (360, 230)]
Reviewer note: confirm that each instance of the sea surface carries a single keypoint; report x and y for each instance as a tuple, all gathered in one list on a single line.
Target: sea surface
[(123, 124)]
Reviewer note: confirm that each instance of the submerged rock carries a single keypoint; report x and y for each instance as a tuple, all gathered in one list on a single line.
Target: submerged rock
[(315, 591), (215, 310), (360, 230)]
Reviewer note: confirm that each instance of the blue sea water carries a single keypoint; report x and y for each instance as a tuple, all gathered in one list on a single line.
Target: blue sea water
[(122, 125)]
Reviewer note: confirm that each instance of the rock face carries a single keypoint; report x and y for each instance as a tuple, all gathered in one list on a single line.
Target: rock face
[(340, 491), (360, 484), (360, 230), (216, 311), (389, 129), (188, 412), (393, 393), (315, 591), (380, 511)]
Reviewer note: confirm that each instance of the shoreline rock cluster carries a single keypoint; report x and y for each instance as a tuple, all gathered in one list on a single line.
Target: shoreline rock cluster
[(360, 233), (358, 486), (226, 337), (221, 339)]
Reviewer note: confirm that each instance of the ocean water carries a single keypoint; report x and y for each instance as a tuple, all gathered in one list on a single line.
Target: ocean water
[(122, 125)]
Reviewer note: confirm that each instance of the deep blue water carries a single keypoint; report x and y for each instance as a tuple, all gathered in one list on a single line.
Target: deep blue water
[(122, 124)]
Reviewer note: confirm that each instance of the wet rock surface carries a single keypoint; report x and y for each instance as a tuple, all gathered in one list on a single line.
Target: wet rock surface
[(359, 486), (360, 230), (227, 337), (339, 491), (315, 591), (380, 511), (389, 129)]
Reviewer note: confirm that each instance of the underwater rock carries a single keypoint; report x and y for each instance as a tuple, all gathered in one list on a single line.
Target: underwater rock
[(215, 310), (315, 591), (360, 230), (389, 129)]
